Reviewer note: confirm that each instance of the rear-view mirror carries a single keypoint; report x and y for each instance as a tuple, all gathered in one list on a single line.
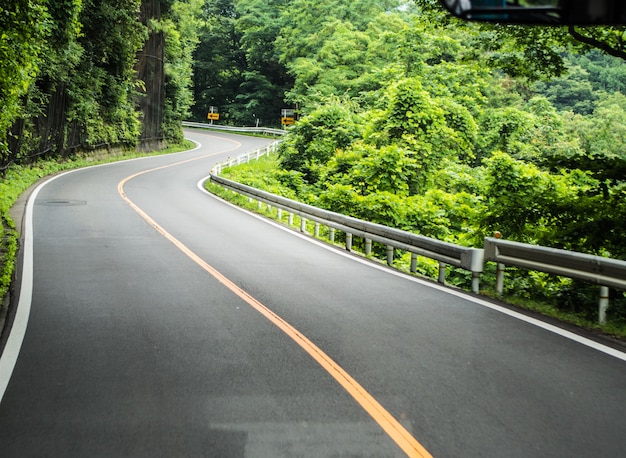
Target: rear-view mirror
[(556, 12)]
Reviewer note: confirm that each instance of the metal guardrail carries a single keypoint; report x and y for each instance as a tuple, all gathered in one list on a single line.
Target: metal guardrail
[(602, 271), (594, 269), (244, 158), (446, 253), (605, 272), (255, 130)]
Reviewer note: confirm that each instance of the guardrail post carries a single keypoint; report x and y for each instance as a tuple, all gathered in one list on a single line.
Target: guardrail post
[(476, 282), (316, 230), (290, 219), (259, 205), (368, 247), (303, 225), (442, 273), (331, 234), (348, 241), (413, 263), (279, 214), (389, 255), (604, 304), (500, 278)]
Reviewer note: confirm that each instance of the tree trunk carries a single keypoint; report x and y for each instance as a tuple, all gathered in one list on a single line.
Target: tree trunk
[(151, 72)]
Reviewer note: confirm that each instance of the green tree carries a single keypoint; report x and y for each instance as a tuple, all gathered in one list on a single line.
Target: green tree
[(431, 127), (314, 140), (219, 60), (606, 73), (265, 79), (24, 28), (180, 25), (302, 33), (572, 92), (335, 68), (101, 102), (368, 169), (84, 94), (531, 205), (607, 39), (601, 137)]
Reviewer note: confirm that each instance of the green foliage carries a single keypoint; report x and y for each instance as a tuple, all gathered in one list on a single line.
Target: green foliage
[(528, 204), (451, 212), (261, 94), (337, 67), (590, 78), (236, 65), (608, 39), (432, 128), (180, 26), (369, 169), (219, 60), (303, 32), (101, 96), (523, 52), (314, 140), (24, 26), (452, 130), (574, 92), (75, 84), (264, 173)]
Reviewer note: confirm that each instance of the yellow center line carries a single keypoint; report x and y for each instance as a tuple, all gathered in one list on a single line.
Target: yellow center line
[(387, 422)]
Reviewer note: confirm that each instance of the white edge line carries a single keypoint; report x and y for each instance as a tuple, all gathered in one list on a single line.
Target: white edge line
[(11, 351), (18, 329), (520, 316)]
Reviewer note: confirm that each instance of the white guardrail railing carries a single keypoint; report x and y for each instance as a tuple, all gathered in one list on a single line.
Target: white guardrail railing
[(242, 159), (252, 130), (606, 272)]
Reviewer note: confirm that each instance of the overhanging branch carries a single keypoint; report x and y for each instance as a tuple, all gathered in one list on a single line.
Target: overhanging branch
[(610, 50)]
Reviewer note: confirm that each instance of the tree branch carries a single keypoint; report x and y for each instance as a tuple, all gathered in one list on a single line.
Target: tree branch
[(590, 41)]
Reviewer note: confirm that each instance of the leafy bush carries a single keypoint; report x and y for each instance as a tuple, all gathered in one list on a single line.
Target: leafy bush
[(314, 140)]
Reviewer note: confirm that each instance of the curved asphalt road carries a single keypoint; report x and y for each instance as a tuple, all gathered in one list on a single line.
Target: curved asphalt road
[(144, 340)]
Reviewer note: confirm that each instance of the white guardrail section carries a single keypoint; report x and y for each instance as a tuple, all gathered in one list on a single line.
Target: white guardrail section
[(252, 130), (244, 158), (605, 272)]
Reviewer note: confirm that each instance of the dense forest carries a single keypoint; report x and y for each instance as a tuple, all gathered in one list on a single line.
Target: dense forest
[(408, 117)]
